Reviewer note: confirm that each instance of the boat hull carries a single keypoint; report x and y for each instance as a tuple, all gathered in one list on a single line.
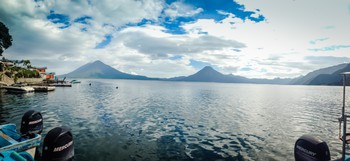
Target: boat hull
[(24, 89), (43, 88), (61, 85), (11, 140)]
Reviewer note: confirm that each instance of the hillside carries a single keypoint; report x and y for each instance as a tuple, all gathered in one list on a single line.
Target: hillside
[(307, 79), (208, 74), (324, 76), (98, 69), (330, 79)]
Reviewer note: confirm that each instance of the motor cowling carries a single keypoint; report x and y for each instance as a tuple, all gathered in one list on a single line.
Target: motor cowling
[(32, 123), (58, 145), (309, 148)]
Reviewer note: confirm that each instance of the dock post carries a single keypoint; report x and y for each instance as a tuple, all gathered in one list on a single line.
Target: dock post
[(344, 117)]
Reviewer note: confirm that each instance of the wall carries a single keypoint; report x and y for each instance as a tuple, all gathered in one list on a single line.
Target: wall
[(30, 80), (6, 79)]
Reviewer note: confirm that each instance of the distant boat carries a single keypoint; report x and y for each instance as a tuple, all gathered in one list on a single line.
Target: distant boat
[(61, 84), (43, 88), (18, 88), (75, 81)]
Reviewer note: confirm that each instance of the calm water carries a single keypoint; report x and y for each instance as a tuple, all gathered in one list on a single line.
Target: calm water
[(155, 120)]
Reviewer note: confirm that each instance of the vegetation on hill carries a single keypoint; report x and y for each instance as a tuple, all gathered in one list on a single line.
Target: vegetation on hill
[(15, 71), (5, 38), (13, 68)]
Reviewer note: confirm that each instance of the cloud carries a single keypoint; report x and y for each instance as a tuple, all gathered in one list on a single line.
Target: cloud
[(174, 45), (327, 60), (116, 12), (46, 31), (183, 12), (318, 40), (179, 9), (330, 48)]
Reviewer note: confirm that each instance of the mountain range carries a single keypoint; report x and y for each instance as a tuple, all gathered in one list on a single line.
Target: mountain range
[(330, 78), (313, 77), (324, 76)]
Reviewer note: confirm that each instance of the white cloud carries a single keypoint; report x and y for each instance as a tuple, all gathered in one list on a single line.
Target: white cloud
[(288, 30), (179, 9), (149, 48), (38, 39), (115, 12), (147, 44)]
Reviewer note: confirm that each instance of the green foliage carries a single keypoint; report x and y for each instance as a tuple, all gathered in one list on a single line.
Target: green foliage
[(18, 72), (5, 38), (26, 63)]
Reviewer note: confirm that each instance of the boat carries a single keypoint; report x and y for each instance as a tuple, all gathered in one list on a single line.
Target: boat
[(61, 84), (58, 145), (11, 140), (29, 137), (75, 81), (310, 148), (43, 88), (18, 88), (11, 155)]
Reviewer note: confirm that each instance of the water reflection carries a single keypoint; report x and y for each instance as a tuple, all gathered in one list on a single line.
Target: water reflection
[(151, 120)]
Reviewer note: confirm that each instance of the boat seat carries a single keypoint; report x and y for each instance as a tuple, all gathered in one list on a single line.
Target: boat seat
[(347, 138), (6, 140)]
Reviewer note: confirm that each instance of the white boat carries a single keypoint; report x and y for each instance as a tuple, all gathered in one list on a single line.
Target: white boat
[(43, 88), (18, 88)]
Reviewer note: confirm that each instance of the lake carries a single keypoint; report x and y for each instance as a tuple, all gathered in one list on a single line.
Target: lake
[(159, 120)]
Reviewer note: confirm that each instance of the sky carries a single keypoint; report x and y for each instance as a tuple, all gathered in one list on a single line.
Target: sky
[(169, 38)]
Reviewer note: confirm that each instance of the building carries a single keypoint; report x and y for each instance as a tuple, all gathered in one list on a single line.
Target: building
[(41, 69), (50, 76), (43, 74)]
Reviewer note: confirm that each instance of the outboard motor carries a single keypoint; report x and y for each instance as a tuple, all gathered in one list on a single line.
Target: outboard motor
[(309, 148), (32, 123), (58, 145)]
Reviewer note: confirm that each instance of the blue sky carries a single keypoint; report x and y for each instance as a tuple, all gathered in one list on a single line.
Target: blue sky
[(169, 38)]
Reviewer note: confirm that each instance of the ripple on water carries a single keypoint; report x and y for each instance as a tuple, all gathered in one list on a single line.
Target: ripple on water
[(151, 120)]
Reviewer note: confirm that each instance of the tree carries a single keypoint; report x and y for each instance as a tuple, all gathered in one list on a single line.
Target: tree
[(27, 63), (5, 38)]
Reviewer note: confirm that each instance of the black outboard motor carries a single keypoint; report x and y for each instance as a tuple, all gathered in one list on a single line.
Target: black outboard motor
[(58, 145), (32, 123), (309, 148)]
